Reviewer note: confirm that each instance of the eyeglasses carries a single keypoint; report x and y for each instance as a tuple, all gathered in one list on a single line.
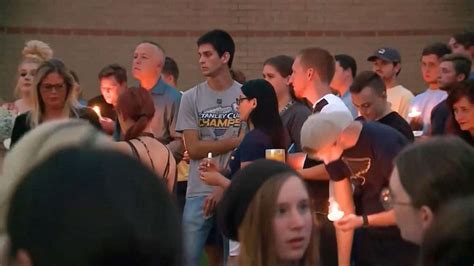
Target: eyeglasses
[(240, 99), (386, 198), (50, 87), (24, 74)]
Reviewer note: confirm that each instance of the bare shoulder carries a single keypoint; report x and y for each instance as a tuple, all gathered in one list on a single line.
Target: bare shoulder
[(123, 147)]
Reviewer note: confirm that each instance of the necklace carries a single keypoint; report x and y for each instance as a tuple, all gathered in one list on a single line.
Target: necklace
[(288, 105)]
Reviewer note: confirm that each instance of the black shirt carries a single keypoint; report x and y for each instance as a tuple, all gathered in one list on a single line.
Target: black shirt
[(440, 115), (22, 123), (293, 119), (395, 121)]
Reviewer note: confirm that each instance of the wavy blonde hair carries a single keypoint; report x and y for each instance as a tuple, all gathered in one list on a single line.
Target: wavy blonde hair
[(37, 145), (34, 52), (37, 108)]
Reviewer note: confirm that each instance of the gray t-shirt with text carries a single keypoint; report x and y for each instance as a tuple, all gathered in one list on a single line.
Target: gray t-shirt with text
[(215, 116)]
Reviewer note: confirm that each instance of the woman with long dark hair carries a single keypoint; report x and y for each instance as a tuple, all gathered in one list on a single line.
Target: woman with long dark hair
[(258, 107), (135, 111)]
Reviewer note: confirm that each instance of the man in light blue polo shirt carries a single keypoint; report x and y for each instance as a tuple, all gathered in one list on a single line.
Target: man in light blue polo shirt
[(148, 60)]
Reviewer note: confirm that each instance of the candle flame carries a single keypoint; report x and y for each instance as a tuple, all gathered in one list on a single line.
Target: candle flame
[(335, 212), (97, 110), (414, 112)]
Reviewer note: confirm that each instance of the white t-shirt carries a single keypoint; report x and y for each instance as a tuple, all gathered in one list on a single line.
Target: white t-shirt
[(425, 102), (332, 104), (399, 98)]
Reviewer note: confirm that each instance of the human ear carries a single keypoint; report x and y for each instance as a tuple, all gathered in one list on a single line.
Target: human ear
[(225, 57), (426, 216)]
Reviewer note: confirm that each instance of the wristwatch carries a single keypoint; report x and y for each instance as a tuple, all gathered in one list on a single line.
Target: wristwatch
[(365, 221)]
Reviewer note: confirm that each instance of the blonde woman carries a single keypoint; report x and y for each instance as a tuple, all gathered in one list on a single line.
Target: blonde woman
[(53, 98), (34, 53), (37, 145)]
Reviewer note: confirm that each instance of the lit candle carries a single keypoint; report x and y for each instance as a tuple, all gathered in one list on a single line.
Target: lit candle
[(275, 154), (414, 112), (97, 111), (209, 157), (334, 212), (416, 122)]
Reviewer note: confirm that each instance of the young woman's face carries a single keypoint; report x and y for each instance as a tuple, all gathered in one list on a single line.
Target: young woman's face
[(280, 84), (53, 91), (464, 114), (293, 223), (27, 72), (245, 106)]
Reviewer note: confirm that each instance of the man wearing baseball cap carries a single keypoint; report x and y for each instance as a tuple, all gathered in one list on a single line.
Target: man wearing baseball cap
[(359, 159), (386, 62)]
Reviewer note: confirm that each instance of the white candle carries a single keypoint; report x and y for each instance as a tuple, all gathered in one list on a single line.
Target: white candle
[(209, 157), (335, 213), (97, 111)]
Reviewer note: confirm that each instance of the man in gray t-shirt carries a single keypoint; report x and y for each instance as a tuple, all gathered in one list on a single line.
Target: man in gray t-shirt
[(210, 122), (213, 116)]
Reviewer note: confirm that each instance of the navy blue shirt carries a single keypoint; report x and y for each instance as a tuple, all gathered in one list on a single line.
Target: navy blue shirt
[(370, 161), (251, 148), (369, 165)]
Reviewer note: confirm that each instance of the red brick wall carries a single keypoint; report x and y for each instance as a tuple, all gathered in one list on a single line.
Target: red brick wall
[(89, 34)]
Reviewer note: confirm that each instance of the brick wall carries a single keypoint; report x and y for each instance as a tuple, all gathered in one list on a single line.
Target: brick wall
[(89, 34)]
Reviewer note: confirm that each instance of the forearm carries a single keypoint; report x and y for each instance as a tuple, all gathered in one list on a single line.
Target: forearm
[(343, 195), (224, 182), (176, 146), (344, 247), (317, 172), (199, 149), (382, 219)]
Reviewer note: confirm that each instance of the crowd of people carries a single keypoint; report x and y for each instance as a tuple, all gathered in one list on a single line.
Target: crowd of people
[(151, 175)]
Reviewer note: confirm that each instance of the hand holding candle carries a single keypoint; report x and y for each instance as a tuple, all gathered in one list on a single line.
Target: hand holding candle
[(97, 111), (208, 164), (416, 122)]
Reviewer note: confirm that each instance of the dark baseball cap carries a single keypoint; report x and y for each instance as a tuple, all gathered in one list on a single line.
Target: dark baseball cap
[(387, 54)]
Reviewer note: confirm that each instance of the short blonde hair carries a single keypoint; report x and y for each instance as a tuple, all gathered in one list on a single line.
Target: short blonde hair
[(37, 108), (34, 52), (37, 145)]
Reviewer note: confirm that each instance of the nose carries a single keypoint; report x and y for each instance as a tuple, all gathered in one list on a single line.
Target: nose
[(291, 79), (297, 220)]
